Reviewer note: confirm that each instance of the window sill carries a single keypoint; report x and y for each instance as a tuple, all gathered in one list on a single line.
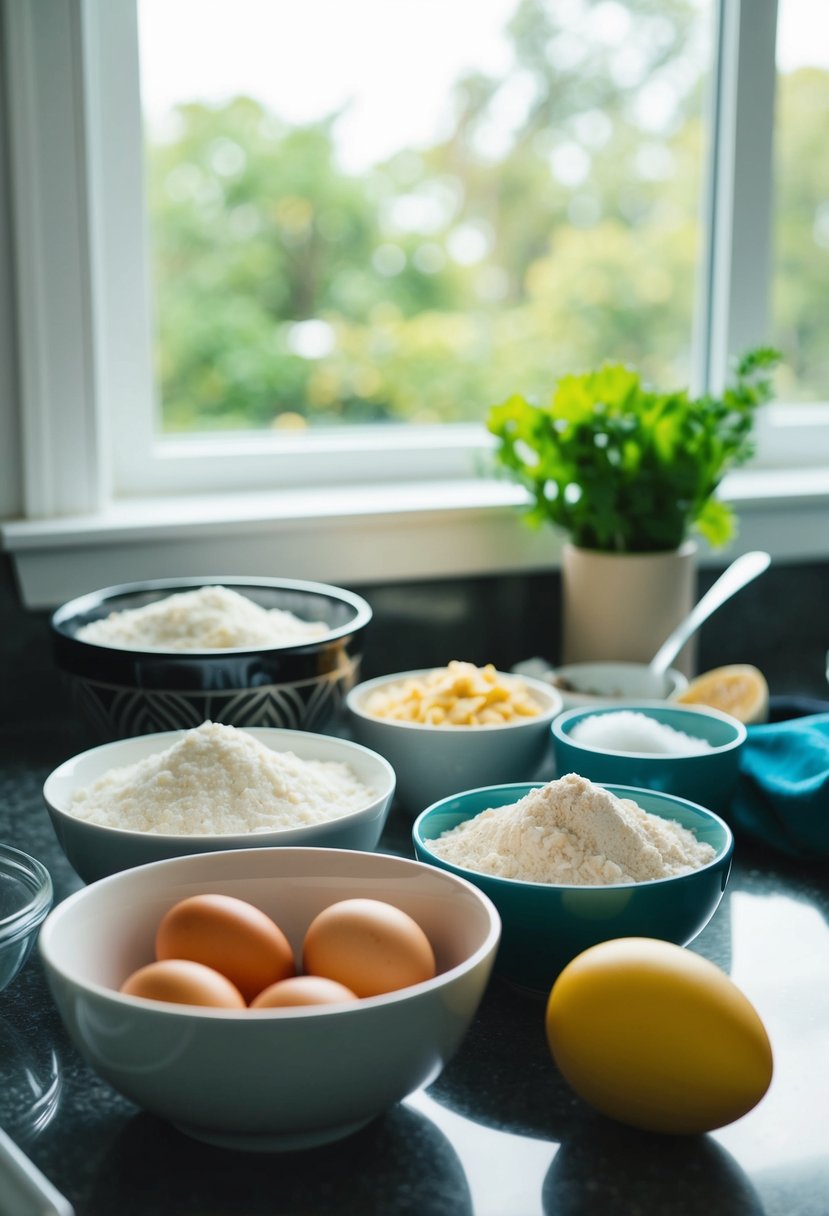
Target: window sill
[(356, 536)]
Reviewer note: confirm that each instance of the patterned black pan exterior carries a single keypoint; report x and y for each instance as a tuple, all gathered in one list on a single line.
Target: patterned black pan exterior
[(117, 713), (121, 692)]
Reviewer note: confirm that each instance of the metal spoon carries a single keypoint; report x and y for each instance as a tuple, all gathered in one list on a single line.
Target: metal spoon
[(741, 571)]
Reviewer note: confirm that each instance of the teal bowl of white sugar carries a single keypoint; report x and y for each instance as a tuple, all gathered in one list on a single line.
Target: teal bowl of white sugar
[(693, 752), (571, 863)]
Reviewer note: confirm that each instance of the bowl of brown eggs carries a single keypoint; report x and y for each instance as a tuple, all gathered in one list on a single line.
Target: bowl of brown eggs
[(270, 999)]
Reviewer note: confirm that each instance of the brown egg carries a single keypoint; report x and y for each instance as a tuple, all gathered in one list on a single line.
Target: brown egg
[(302, 990), (183, 982), (368, 945), (229, 935)]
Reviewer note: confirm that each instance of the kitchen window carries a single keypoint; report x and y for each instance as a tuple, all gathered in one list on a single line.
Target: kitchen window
[(239, 289), (398, 229)]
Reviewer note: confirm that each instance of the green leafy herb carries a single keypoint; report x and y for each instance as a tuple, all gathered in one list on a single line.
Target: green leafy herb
[(622, 467)]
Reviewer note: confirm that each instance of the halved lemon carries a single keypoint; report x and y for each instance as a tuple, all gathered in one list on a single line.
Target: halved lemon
[(738, 689)]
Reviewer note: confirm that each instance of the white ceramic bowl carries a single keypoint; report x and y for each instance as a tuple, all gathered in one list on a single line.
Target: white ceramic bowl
[(596, 684), (272, 1078), (95, 851), (432, 762)]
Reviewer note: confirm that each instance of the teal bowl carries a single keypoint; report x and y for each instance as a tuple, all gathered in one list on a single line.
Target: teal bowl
[(709, 777), (546, 925)]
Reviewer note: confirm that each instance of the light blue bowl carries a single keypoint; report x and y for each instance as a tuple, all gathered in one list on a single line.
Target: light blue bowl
[(546, 925), (709, 777)]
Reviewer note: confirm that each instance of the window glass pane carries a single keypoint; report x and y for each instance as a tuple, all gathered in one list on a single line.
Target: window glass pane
[(801, 217), (388, 211)]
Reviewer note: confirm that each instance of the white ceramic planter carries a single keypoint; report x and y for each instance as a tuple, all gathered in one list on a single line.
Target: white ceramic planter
[(622, 606)]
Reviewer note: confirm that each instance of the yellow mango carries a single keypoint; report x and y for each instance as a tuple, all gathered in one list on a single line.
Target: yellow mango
[(657, 1037)]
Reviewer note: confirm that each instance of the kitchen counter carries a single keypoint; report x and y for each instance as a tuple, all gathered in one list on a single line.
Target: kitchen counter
[(498, 1134)]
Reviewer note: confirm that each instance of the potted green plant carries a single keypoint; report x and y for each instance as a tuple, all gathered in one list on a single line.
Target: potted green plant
[(630, 473)]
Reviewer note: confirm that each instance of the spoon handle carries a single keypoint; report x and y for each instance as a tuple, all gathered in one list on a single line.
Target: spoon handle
[(741, 571)]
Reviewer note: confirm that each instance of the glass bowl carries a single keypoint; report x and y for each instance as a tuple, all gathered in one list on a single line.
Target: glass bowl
[(25, 898)]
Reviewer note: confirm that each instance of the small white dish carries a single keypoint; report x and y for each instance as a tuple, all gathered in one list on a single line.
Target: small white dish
[(606, 683)]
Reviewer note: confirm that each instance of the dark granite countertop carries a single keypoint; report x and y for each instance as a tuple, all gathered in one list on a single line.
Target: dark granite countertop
[(498, 1134)]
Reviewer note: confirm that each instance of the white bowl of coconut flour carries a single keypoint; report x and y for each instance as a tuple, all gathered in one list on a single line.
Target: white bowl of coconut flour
[(215, 787), (571, 863)]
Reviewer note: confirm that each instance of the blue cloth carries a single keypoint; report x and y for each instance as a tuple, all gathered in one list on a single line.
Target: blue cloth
[(782, 795)]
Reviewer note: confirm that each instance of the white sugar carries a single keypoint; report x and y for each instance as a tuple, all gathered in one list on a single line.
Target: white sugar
[(628, 730)]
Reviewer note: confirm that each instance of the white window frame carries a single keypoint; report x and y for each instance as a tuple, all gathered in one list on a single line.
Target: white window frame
[(76, 148), (84, 352)]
